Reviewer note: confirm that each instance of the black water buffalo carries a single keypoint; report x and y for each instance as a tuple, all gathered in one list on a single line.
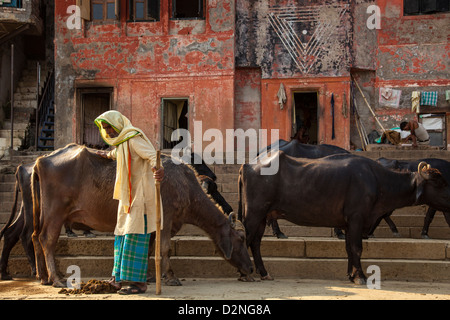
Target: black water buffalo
[(444, 168), (208, 182), (296, 149), (344, 191), (21, 227), (76, 185)]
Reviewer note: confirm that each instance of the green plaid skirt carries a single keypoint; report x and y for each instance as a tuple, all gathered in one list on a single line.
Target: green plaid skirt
[(131, 257)]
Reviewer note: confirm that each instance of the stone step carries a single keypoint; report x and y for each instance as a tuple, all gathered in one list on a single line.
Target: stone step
[(6, 143), (17, 125), (17, 133), (317, 258), (29, 89), (24, 96), (295, 247), (25, 104)]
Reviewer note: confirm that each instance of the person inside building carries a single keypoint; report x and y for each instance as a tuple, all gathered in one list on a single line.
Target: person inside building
[(419, 134), (135, 190)]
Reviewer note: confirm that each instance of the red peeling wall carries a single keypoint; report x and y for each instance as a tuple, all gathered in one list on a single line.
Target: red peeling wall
[(145, 62)]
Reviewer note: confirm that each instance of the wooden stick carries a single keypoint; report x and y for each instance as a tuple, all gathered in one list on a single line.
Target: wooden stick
[(158, 228), (368, 105)]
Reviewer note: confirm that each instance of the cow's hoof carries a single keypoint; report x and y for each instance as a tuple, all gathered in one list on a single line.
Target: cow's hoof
[(45, 282), (246, 278), (425, 236), (281, 235), (90, 235), (59, 284), (173, 282), (397, 235), (267, 277), (359, 281)]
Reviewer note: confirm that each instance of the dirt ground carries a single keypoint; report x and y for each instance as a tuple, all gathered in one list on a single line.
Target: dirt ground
[(231, 289)]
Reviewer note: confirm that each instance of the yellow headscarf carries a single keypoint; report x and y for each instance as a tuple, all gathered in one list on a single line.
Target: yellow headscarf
[(126, 131)]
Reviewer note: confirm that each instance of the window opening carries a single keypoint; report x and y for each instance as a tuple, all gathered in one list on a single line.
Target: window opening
[(187, 9), (175, 116), (144, 10)]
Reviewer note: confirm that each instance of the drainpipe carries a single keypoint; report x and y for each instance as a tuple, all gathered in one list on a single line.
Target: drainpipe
[(12, 98)]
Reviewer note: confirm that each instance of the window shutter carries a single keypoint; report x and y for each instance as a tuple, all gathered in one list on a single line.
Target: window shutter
[(85, 8)]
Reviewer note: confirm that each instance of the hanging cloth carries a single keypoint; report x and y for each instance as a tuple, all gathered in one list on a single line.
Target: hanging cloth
[(332, 117), (415, 101), (281, 96), (429, 98)]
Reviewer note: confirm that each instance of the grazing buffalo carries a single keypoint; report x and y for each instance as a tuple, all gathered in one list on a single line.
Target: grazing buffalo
[(21, 227), (344, 191), (76, 186), (296, 149), (443, 167)]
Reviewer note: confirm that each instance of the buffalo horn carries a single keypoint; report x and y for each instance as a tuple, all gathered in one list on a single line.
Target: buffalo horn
[(232, 218), (423, 165)]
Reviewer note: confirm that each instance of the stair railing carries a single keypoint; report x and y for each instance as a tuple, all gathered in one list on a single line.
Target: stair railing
[(44, 103)]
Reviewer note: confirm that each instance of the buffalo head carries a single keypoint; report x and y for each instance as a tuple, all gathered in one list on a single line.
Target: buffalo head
[(432, 188), (233, 246)]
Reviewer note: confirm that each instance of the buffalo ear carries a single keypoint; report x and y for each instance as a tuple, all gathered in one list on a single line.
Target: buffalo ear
[(226, 246)]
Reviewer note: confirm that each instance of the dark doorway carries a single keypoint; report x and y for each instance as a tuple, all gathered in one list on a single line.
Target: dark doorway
[(175, 116), (304, 117), (93, 103)]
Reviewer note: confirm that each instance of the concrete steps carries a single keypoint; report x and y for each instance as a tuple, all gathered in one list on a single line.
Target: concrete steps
[(25, 104), (308, 253), (302, 257)]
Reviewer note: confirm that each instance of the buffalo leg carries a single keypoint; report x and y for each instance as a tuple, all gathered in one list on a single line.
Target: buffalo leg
[(392, 226), (29, 251), (353, 245), (447, 217), (277, 231), (255, 246), (12, 236), (48, 239), (41, 269), (27, 244), (427, 221), (169, 276)]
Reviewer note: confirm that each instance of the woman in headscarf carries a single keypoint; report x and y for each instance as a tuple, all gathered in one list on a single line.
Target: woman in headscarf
[(135, 190)]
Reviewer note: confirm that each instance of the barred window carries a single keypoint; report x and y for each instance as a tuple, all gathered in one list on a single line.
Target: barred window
[(415, 7)]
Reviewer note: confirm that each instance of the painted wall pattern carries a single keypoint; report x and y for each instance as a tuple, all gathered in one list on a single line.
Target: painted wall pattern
[(305, 31), (294, 40)]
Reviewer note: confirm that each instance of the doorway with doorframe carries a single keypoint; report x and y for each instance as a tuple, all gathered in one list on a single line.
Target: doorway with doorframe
[(94, 102), (304, 117), (175, 116)]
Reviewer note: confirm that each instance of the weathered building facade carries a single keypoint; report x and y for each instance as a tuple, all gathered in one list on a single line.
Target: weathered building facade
[(262, 64)]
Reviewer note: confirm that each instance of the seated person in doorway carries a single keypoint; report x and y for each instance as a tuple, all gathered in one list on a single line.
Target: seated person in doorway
[(419, 134)]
